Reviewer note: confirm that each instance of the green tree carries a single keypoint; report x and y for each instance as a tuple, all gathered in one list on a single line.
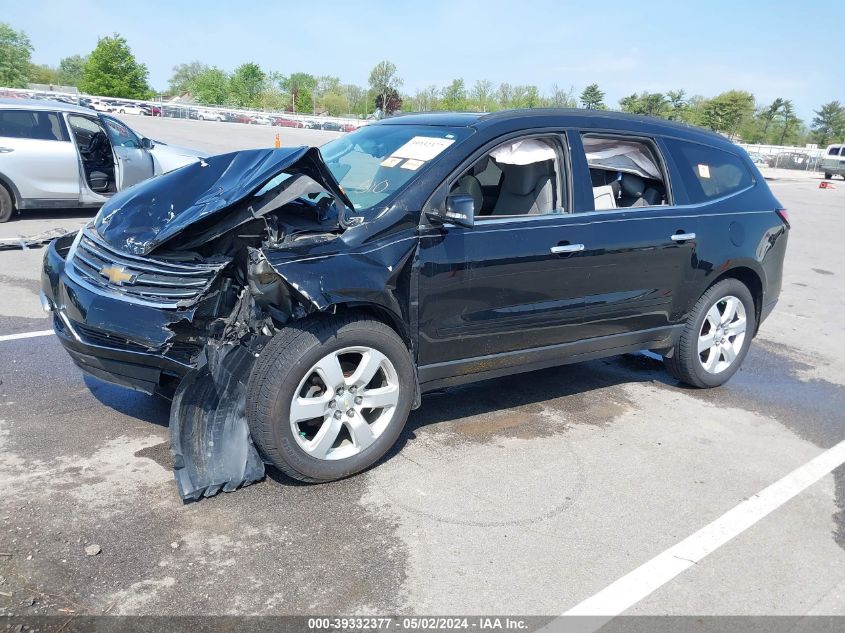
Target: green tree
[(210, 87), (184, 76), (15, 57), (829, 123), (790, 120), (336, 103), (112, 71), (357, 98), (592, 98), (532, 97), (677, 104), (767, 115), (481, 95), (505, 95), (648, 103), (454, 96), (693, 111), (301, 88), (725, 112), (246, 85), (43, 74), (385, 83), (563, 98), (71, 69), (631, 103)]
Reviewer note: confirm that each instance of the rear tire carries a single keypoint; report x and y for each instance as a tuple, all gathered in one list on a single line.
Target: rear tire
[(716, 337), (320, 366), (828, 176), (7, 207)]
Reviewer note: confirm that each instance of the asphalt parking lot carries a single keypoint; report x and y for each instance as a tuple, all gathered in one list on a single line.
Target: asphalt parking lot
[(522, 495)]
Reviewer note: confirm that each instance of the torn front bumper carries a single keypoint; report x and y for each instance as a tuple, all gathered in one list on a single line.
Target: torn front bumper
[(131, 345), (125, 344)]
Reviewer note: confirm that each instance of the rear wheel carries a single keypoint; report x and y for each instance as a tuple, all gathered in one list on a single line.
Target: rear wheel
[(716, 337), (6, 205), (329, 396), (828, 176)]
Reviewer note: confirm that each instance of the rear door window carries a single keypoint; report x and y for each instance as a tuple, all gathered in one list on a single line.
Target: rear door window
[(36, 125), (708, 172), (833, 151), (625, 172)]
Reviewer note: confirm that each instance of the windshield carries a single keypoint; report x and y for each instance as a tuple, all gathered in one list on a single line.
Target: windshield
[(374, 162)]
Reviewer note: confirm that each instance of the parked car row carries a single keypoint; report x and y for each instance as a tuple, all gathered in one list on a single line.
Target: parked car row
[(117, 107), (188, 111)]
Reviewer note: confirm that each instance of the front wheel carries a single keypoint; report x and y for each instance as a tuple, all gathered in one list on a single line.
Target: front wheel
[(828, 176), (329, 396), (716, 337)]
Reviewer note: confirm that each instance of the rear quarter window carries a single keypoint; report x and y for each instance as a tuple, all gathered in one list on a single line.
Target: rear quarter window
[(707, 172), (833, 151)]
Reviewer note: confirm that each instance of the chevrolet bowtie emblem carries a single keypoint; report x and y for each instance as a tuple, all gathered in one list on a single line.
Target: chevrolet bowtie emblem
[(117, 275)]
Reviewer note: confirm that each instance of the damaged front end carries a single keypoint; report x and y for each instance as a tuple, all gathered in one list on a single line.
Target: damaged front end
[(170, 290)]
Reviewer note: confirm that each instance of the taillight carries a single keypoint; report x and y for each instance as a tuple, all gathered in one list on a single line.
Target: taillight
[(783, 214)]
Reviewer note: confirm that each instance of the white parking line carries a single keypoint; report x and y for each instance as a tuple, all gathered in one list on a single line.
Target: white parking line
[(644, 580), (14, 337)]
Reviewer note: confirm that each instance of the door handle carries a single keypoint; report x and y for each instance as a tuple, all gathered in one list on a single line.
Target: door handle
[(682, 237), (567, 248), (6, 150)]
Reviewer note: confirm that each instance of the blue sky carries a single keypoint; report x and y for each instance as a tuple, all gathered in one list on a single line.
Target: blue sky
[(772, 48)]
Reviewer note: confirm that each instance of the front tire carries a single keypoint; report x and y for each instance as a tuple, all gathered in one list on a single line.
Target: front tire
[(716, 337), (6, 205), (828, 176), (329, 396)]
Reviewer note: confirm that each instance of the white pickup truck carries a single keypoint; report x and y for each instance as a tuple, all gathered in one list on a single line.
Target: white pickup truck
[(833, 161)]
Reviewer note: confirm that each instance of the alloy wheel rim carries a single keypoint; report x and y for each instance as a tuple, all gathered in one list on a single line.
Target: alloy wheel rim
[(722, 334), (344, 403)]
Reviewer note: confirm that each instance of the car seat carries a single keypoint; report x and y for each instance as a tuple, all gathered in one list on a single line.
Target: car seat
[(526, 189)]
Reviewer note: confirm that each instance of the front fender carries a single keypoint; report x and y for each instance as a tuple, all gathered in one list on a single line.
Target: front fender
[(374, 274)]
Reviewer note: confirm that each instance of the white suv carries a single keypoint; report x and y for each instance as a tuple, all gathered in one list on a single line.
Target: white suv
[(56, 155)]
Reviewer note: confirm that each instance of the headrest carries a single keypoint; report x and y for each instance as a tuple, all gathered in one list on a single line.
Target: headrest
[(481, 165), (633, 185), (522, 179)]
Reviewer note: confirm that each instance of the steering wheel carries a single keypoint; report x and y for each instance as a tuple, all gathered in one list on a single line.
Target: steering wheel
[(95, 145), (98, 147)]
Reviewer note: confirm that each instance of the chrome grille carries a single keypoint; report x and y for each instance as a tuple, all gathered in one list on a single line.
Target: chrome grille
[(149, 281)]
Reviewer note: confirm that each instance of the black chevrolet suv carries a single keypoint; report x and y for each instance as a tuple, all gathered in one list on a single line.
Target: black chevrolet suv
[(296, 303)]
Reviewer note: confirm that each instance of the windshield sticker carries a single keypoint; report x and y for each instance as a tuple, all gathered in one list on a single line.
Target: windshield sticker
[(704, 171), (422, 148), (391, 162), (412, 164)]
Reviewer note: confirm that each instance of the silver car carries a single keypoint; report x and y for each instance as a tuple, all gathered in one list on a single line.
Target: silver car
[(56, 155)]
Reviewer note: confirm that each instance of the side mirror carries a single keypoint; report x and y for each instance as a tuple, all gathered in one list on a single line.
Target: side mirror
[(460, 210), (147, 143)]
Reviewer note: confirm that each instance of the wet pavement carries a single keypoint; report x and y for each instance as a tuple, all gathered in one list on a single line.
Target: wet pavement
[(521, 495)]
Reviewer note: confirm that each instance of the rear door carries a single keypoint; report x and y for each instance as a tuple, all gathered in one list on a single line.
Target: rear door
[(37, 155), (640, 258), (134, 163)]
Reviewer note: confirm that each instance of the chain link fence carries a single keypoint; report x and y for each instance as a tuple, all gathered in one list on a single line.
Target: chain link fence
[(785, 156)]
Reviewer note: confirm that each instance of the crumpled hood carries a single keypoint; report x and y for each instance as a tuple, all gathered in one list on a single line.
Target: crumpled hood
[(146, 215)]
